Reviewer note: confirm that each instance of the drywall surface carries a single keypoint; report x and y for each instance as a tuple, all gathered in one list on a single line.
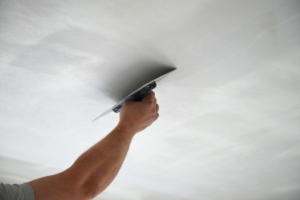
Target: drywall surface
[(229, 125)]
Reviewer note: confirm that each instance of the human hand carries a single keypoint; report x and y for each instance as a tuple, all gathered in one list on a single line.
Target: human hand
[(135, 116)]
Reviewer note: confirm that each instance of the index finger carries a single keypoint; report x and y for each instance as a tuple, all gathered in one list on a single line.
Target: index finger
[(149, 97)]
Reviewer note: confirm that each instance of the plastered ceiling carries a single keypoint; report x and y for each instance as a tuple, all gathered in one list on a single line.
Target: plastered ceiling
[(229, 125)]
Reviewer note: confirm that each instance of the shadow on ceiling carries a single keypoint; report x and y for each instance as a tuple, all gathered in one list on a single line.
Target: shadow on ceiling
[(131, 78)]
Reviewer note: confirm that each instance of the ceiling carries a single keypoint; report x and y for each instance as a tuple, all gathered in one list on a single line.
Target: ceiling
[(229, 125)]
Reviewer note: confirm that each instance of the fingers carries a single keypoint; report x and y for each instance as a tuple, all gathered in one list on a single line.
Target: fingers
[(150, 97), (157, 116)]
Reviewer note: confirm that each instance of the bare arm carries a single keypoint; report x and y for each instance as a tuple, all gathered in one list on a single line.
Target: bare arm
[(95, 169)]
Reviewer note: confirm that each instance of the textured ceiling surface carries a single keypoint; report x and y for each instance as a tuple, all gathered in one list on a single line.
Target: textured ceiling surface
[(229, 125)]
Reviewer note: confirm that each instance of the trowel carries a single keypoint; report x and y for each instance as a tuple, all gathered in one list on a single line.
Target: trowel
[(137, 95)]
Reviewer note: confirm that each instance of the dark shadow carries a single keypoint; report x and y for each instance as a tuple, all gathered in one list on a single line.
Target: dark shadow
[(125, 82)]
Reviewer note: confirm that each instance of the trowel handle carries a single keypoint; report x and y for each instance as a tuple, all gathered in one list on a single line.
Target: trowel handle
[(138, 96)]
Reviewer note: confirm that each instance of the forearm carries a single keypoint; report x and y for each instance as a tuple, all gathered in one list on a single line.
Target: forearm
[(97, 167)]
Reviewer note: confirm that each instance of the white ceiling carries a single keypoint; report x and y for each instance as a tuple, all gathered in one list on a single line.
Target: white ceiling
[(229, 125)]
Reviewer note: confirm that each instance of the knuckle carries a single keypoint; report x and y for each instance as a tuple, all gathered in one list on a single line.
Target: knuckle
[(152, 93), (128, 101)]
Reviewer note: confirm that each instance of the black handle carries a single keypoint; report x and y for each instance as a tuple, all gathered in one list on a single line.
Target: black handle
[(138, 96)]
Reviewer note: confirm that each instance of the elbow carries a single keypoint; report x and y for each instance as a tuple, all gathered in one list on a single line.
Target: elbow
[(92, 183)]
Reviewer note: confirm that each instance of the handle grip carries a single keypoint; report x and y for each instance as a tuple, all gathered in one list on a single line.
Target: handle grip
[(138, 96)]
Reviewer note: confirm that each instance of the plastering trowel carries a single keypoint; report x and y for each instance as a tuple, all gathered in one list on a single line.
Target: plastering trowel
[(137, 95)]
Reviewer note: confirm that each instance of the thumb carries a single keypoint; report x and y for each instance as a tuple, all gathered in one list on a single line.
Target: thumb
[(128, 102), (149, 97)]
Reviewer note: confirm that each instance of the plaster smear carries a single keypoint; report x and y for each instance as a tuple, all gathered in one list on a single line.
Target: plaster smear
[(229, 115)]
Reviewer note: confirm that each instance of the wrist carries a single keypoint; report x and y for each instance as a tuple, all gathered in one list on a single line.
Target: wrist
[(126, 129)]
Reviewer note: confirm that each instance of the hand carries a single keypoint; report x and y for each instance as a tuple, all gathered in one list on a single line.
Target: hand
[(135, 116)]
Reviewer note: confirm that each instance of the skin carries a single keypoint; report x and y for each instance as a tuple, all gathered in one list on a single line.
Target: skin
[(95, 169)]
